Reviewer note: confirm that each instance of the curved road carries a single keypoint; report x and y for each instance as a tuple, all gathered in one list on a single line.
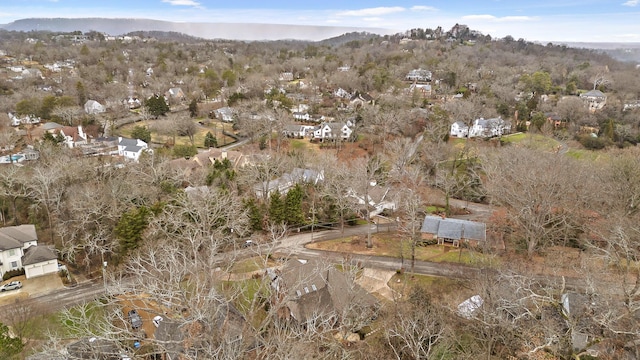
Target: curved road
[(292, 245)]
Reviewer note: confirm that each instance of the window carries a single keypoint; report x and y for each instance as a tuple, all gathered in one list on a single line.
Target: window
[(12, 252), (14, 264)]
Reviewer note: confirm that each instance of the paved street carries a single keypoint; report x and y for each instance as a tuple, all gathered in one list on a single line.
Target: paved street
[(291, 245)]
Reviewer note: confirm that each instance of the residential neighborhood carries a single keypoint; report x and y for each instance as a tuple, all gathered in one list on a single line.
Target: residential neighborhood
[(433, 193)]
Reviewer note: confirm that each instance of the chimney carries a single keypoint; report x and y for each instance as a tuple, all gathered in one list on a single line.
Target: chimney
[(224, 155)]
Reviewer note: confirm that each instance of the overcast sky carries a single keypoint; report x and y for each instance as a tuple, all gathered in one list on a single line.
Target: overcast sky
[(540, 20)]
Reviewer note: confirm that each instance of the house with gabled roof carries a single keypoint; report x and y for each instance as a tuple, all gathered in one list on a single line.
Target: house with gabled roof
[(19, 249), (459, 129), (453, 231), (131, 149), (332, 131), (287, 181), (489, 127), (422, 89), (175, 94), (595, 99), (93, 107), (418, 75), (39, 260), (309, 289), (225, 114), (72, 135), (298, 131)]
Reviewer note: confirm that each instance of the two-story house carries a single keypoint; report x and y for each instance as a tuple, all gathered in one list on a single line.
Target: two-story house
[(19, 249), (332, 131), (595, 99), (131, 149), (489, 127), (14, 240)]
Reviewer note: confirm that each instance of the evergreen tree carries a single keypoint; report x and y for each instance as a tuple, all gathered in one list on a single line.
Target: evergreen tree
[(141, 132), (81, 93), (9, 346), (130, 227), (210, 140), (256, 214), (193, 108), (157, 105), (293, 206), (184, 151), (277, 208)]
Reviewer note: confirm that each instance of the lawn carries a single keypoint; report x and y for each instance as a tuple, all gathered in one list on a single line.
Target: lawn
[(531, 140), (392, 244), (249, 297), (41, 326), (215, 128), (250, 265), (435, 286)]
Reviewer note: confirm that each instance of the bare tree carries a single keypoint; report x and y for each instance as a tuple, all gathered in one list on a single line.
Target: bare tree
[(540, 192), (13, 185)]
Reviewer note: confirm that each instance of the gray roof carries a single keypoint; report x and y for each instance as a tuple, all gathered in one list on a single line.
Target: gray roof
[(130, 145), (593, 93), (38, 254), (13, 237), (315, 288), (51, 125), (455, 229)]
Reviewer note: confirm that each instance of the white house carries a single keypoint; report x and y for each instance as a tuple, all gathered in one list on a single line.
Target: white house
[(73, 136), (93, 107), (595, 99), (26, 120), (39, 260), (132, 148), (489, 127), (297, 131), (459, 129), (419, 75), (224, 114), (16, 242), (332, 131), (302, 116), (342, 93)]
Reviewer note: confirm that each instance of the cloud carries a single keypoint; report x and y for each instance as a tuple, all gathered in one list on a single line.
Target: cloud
[(182, 2), (499, 19), (631, 3), (377, 11), (422, 8)]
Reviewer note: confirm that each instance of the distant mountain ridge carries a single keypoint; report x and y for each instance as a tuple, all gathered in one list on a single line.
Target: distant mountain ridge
[(230, 31)]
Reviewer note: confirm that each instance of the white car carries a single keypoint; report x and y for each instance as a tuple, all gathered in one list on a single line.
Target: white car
[(156, 320), (14, 285)]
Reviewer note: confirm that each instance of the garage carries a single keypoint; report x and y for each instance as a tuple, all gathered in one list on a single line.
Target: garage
[(39, 260)]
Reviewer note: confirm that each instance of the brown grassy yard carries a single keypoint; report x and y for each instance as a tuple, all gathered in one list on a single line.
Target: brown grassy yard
[(395, 245), (215, 128)]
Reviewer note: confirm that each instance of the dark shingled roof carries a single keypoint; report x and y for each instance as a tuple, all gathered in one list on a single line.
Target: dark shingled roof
[(38, 254), (454, 229), (13, 237)]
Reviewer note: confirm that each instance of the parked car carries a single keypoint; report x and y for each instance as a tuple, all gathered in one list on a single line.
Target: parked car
[(136, 320), (156, 320), (14, 285)]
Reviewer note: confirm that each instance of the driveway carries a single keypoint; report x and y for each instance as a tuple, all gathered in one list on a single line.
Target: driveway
[(33, 287)]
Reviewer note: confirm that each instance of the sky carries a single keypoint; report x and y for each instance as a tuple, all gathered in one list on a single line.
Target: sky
[(540, 20)]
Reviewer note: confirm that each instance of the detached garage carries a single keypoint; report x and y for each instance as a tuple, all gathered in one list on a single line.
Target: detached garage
[(39, 260)]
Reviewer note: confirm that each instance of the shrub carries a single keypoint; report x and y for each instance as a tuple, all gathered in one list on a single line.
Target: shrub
[(592, 143), (12, 273)]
